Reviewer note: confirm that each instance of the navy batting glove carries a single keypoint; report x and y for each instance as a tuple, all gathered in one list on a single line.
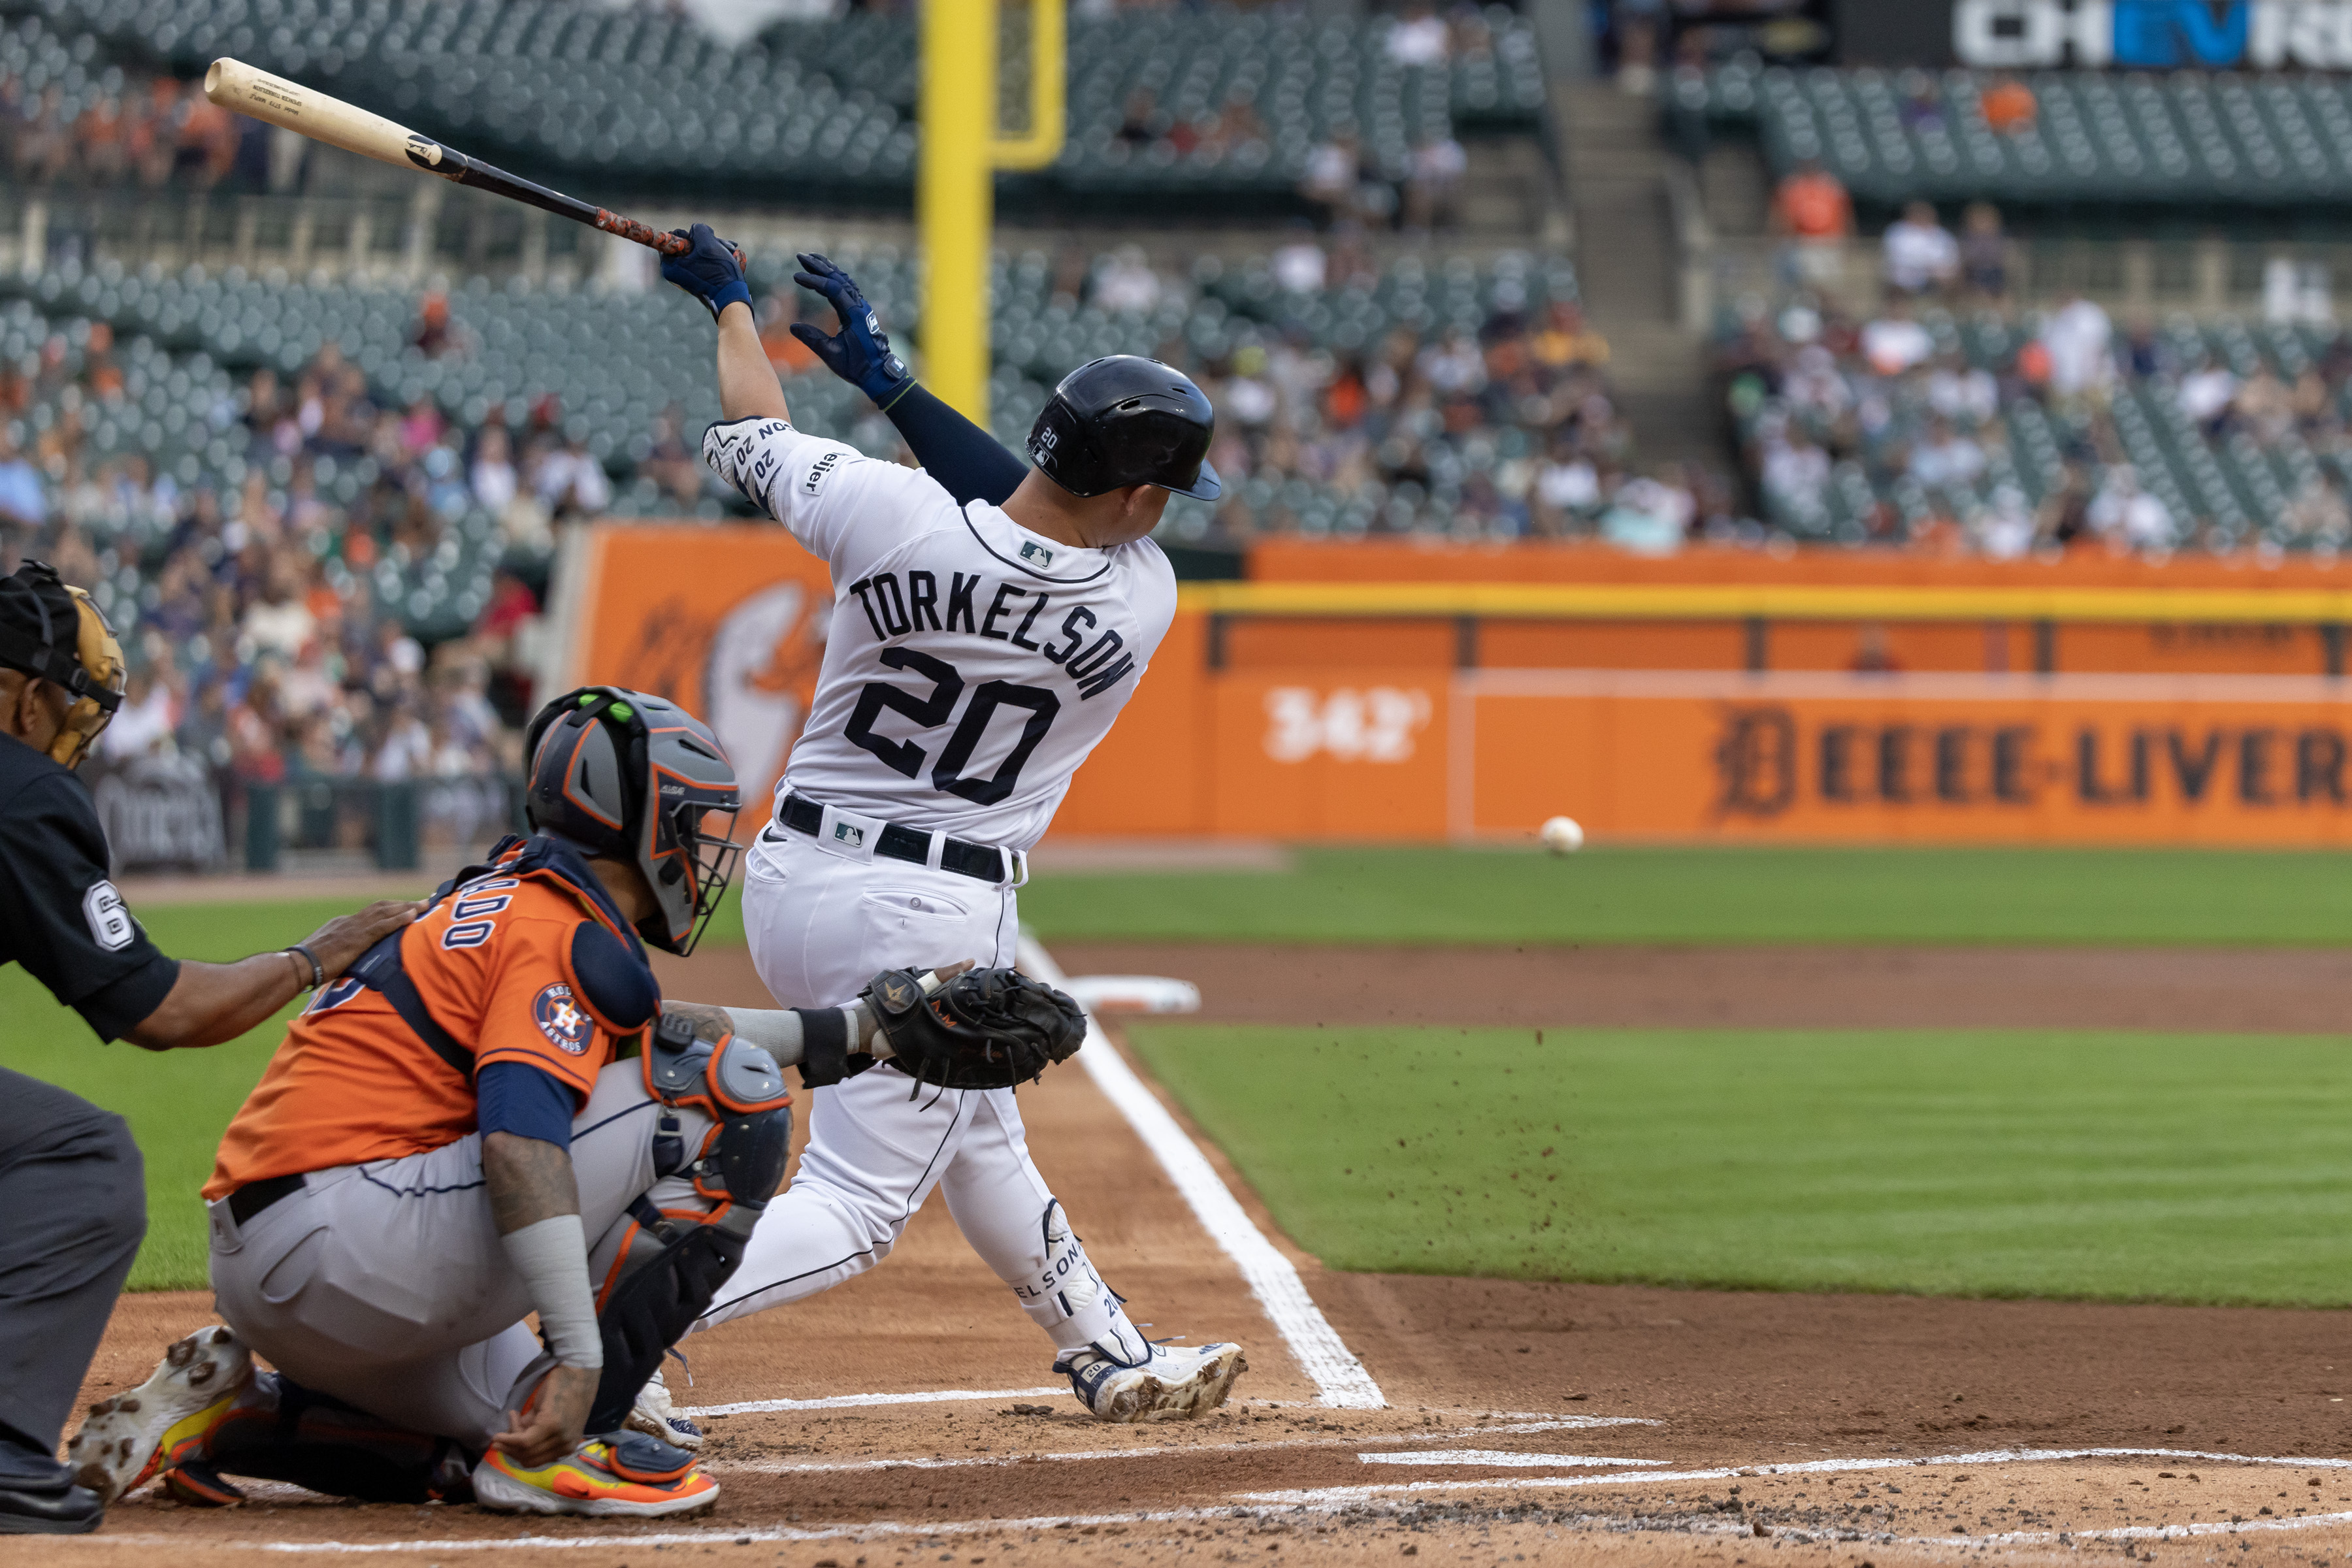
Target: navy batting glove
[(859, 353), (712, 271)]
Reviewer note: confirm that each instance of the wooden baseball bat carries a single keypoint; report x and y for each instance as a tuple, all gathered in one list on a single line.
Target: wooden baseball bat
[(273, 100)]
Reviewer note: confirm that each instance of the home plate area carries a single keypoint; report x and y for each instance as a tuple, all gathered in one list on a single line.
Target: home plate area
[(1024, 1476)]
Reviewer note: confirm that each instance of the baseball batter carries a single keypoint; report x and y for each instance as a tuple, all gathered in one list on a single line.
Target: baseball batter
[(977, 653)]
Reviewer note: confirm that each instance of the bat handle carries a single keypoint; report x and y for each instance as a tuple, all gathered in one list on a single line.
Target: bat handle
[(675, 244)]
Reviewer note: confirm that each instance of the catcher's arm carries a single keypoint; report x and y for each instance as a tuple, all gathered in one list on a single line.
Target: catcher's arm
[(786, 1031)]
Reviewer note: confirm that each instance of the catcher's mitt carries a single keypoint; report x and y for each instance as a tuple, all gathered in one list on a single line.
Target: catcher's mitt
[(986, 1028)]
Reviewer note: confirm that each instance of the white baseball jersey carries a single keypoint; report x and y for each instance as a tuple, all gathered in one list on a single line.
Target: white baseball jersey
[(970, 665)]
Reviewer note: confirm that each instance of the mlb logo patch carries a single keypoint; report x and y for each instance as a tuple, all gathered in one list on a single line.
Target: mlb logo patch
[(845, 834), (561, 1019), (1037, 553)]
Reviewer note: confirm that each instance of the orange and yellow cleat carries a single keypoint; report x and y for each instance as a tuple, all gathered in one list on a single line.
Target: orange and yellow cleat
[(627, 1475), (164, 1421)]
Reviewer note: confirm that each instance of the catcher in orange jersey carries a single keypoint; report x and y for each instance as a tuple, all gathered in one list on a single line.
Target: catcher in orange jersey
[(446, 1143)]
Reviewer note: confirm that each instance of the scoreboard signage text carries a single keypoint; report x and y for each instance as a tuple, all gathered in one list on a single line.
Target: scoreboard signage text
[(2154, 34)]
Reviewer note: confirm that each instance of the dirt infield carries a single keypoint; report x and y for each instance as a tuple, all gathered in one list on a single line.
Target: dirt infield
[(2218, 990), (1539, 1423)]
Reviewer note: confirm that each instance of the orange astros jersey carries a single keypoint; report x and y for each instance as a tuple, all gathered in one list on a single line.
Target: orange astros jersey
[(493, 962)]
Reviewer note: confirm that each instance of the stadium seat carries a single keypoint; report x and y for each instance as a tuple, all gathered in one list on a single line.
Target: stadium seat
[(825, 109)]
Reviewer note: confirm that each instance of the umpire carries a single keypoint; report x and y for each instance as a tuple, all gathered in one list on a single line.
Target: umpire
[(72, 1191)]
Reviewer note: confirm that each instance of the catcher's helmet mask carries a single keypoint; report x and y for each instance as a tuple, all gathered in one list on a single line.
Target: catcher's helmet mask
[(631, 776), (1126, 420)]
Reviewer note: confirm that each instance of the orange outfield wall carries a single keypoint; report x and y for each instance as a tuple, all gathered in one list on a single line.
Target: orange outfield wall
[(1538, 561), (1356, 729)]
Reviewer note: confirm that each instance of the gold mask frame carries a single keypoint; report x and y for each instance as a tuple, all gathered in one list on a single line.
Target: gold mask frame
[(100, 654)]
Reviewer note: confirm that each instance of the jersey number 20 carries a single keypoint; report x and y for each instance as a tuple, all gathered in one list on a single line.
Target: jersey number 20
[(906, 758)]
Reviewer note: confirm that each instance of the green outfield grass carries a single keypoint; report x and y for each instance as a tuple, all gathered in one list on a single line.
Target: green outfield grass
[(2113, 1166), (1722, 895), (177, 1101)]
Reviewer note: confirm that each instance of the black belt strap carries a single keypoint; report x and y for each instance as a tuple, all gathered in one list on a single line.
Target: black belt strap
[(982, 862), (379, 969), (254, 1196)]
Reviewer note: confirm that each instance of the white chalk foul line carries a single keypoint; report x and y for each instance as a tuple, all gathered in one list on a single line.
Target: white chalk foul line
[(856, 1401), (1340, 1381), (1161, 1450), (1324, 1497), (611, 1538), (1508, 1458), (2136, 1532)]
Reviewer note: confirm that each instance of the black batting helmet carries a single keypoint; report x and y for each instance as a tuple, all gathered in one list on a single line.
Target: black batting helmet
[(635, 777), (1127, 420)]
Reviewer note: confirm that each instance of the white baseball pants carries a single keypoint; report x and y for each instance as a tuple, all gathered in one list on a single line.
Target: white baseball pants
[(385, 1284), (823, 921)]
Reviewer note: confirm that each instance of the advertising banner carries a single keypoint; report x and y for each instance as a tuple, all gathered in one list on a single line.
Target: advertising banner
[(728, 621), (2120, 35), (1341, 730), (1836, 758)]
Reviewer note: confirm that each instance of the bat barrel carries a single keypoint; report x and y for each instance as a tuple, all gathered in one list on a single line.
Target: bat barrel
[(235, 85)]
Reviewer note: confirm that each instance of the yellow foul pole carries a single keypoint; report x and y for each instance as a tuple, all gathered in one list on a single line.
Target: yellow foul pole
[(955, 191)]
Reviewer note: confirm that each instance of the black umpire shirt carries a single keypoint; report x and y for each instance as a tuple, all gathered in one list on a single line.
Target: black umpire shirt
[(60, 916)]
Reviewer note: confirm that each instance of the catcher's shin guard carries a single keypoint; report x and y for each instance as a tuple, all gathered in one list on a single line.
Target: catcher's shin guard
[(673, 1269), (653, 1307), (288, 1433)]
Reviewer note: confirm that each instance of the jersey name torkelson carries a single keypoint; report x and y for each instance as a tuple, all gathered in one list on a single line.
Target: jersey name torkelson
[(1094, 657), (970, 665)]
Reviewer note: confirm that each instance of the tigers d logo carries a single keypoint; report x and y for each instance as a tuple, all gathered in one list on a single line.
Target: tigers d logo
[(1756, 761), (561, 1019)]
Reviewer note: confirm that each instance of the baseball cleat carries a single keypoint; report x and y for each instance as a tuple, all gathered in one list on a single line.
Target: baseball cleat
[(165, 1420), (656, 1417), (1175, 1383), (195, 1484), (625, 1476)]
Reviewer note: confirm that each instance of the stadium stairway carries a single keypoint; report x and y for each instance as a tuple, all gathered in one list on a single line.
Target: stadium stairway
[(1628, 268)]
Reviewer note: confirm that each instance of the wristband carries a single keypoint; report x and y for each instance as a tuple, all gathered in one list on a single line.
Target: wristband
[(735, 292), (318, 970), (552, 1255)]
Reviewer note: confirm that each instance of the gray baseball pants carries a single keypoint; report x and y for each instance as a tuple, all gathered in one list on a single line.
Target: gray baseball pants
[(385, 1285)]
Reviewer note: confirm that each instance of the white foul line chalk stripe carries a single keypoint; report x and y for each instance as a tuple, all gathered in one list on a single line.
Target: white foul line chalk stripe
[(1509, 1458), (855, 1401), (2136, 1532), (1333, 1496), (1163, 1450), (1340, 1379)]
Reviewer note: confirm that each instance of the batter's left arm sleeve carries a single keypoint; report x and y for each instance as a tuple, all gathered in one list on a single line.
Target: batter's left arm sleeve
[(969, 462), (845, 507), (72, 931)]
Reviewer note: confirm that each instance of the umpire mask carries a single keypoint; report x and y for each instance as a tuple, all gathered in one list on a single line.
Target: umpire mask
[(56, 633)]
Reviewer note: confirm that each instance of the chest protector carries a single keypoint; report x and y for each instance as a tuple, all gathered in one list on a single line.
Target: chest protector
[(609, 970)]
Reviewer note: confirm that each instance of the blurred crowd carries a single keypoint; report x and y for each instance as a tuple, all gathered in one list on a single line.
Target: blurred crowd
[(258, 647), (128, 130), (1926, 397), (1502, 431)]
